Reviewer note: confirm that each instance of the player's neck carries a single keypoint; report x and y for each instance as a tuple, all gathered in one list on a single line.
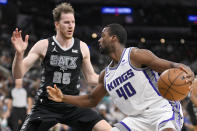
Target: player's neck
[(116, 55), (63, 41)]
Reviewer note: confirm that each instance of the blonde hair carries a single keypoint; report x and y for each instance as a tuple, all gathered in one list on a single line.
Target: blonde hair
[(63, 7)]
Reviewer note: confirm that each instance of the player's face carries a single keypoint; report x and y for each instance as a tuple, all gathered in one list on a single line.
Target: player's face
[(66, 25), (105, 42)]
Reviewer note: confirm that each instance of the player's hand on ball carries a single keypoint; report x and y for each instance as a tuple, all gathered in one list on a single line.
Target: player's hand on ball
[(55, 93), (189, 74)]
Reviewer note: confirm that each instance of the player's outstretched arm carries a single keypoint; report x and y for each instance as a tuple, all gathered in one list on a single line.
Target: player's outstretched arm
[(20, 47), (20, 64), (88, 71), (90, 100), (147, 58)]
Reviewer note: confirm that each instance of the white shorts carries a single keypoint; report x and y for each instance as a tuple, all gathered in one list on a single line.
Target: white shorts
[(154, 119)]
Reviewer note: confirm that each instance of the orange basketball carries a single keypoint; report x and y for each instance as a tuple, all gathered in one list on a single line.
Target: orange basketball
[(172, 85)]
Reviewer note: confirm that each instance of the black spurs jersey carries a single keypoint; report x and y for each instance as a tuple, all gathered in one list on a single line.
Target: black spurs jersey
[(192, 111), (61, 67)]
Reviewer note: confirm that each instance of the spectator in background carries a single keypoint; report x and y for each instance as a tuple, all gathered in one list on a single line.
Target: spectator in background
[(192, 105), (5, 59), (19, 104)]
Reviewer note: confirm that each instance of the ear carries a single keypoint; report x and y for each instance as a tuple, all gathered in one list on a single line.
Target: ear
[(56, 23), (114, 38)]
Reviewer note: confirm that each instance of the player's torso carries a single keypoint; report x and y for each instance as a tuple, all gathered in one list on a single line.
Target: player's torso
[(62, 66), (132, 89)]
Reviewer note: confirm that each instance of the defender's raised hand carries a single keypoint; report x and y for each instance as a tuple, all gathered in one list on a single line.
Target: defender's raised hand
[(55, 93), (17, 40)]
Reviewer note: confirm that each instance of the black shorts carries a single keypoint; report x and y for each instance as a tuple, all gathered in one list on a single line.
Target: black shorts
[(192, 111), (17, 113), (79, 119)]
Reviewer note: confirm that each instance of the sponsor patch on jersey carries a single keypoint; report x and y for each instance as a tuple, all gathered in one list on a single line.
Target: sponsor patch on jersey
[(74, 51)]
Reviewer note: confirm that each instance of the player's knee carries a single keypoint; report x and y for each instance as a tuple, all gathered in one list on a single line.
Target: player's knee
[(102, 126), (115, 129)]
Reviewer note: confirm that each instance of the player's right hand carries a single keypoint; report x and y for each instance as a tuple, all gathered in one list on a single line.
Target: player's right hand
[(189, 74), (17, 41), (55, 93)]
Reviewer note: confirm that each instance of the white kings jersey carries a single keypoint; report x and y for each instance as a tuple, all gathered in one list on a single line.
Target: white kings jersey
[(132, 89)]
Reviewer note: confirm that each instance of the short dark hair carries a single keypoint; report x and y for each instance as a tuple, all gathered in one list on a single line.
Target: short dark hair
[(62, 8), (119, 31)]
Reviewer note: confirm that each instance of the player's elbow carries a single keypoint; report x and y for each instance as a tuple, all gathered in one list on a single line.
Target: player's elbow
[(92, 81), (89, 104), (17, 75), (86, 105), (93, 105)]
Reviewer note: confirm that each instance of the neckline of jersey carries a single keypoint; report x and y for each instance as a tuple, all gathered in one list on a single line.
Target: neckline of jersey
[(64, 49)]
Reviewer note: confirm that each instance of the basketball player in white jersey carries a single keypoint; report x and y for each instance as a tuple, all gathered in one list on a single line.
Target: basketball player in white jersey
[(131, 80)]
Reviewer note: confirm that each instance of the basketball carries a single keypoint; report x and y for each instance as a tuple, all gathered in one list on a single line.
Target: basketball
[(172, 85)]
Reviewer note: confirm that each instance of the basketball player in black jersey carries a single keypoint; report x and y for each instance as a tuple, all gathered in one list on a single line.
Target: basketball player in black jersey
[(63, 57), (192, 105)]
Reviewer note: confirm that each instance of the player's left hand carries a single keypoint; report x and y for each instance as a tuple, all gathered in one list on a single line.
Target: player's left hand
[(55, 93)]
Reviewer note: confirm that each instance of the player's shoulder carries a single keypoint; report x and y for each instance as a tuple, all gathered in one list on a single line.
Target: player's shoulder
[(84, 49), (83, 44), (40, 47), (42, 43), (139, 52)]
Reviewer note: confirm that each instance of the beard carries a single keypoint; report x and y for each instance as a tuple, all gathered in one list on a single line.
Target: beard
[(67, 36), (104, 51)]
